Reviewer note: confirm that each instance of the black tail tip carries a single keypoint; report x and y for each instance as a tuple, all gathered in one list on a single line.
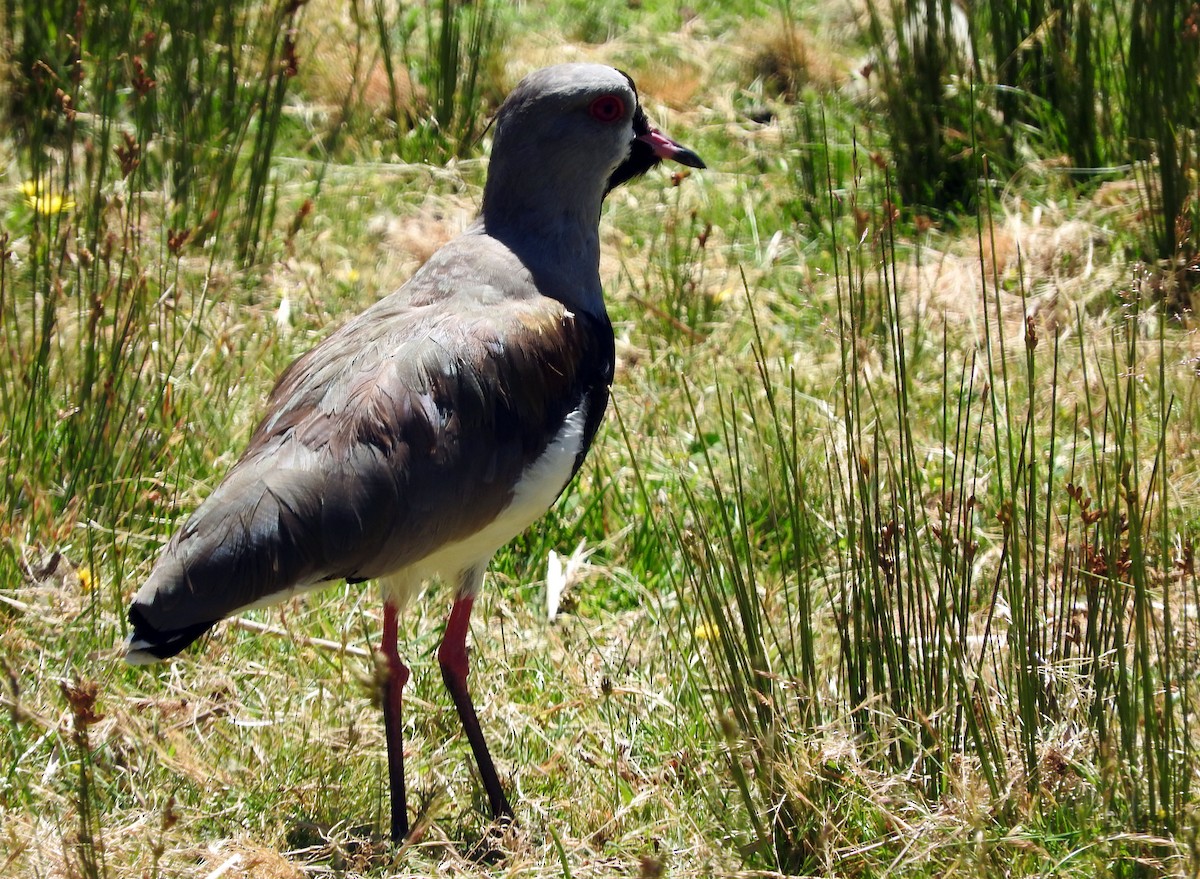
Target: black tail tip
[(147, 644)]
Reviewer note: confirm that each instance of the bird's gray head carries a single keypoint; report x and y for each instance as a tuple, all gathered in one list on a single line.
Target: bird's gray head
[(567, 135)]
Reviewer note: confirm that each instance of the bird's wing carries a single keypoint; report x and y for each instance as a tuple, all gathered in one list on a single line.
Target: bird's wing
[(403, 431)]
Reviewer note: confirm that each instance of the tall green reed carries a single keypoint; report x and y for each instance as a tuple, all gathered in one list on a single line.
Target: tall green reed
[(145, 141), (1102, 84), (451, 49), (1162, 110), (968, 563), (925, 66), (1054, 78)]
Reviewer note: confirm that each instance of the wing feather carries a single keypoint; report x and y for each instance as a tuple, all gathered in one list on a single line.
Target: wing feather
[(403, 431)]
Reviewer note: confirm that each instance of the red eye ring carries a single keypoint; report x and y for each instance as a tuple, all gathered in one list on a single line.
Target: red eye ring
[(608, 108)]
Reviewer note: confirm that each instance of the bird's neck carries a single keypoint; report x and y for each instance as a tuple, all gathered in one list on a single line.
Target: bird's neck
[(556, 237)]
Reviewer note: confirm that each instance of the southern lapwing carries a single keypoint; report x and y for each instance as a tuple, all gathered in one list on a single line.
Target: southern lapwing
[(431, 429)]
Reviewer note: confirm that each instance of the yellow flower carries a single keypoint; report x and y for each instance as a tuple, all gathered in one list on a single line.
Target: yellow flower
[(705, 632), (39, 197), (86, 578)]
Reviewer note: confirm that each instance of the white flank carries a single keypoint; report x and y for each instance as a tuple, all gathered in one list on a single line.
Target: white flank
[(537, 489)]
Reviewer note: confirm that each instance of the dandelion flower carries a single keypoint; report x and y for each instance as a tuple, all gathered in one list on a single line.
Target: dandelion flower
[(706, 632), (42, 199)]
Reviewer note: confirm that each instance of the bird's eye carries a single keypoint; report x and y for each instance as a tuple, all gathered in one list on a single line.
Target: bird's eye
[(609, 108)]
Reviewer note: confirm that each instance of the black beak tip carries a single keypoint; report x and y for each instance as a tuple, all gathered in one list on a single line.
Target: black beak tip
[(689, 158)]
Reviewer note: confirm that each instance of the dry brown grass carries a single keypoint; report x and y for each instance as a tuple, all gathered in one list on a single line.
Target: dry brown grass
[(345, 68), (1034, 262), (789, 58)]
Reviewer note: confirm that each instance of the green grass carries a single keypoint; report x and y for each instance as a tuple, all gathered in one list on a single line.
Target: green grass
[(891, 524)]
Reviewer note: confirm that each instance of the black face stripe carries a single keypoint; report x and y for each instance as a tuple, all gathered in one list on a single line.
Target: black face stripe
[(641, 125), (641, 159)]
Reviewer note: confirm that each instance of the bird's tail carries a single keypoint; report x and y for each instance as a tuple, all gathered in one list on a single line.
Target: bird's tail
[(148, 645)]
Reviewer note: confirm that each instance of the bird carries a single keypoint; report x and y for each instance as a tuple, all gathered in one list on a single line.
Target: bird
[(428, 431)]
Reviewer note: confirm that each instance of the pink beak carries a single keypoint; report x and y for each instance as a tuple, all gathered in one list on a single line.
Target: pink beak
[(665, 148)]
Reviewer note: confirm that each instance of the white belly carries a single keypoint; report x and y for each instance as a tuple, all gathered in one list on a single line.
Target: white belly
[(537, 489)]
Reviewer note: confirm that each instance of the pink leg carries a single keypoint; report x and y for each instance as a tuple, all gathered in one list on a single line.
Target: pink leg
[(393, 689), (452, 656)]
